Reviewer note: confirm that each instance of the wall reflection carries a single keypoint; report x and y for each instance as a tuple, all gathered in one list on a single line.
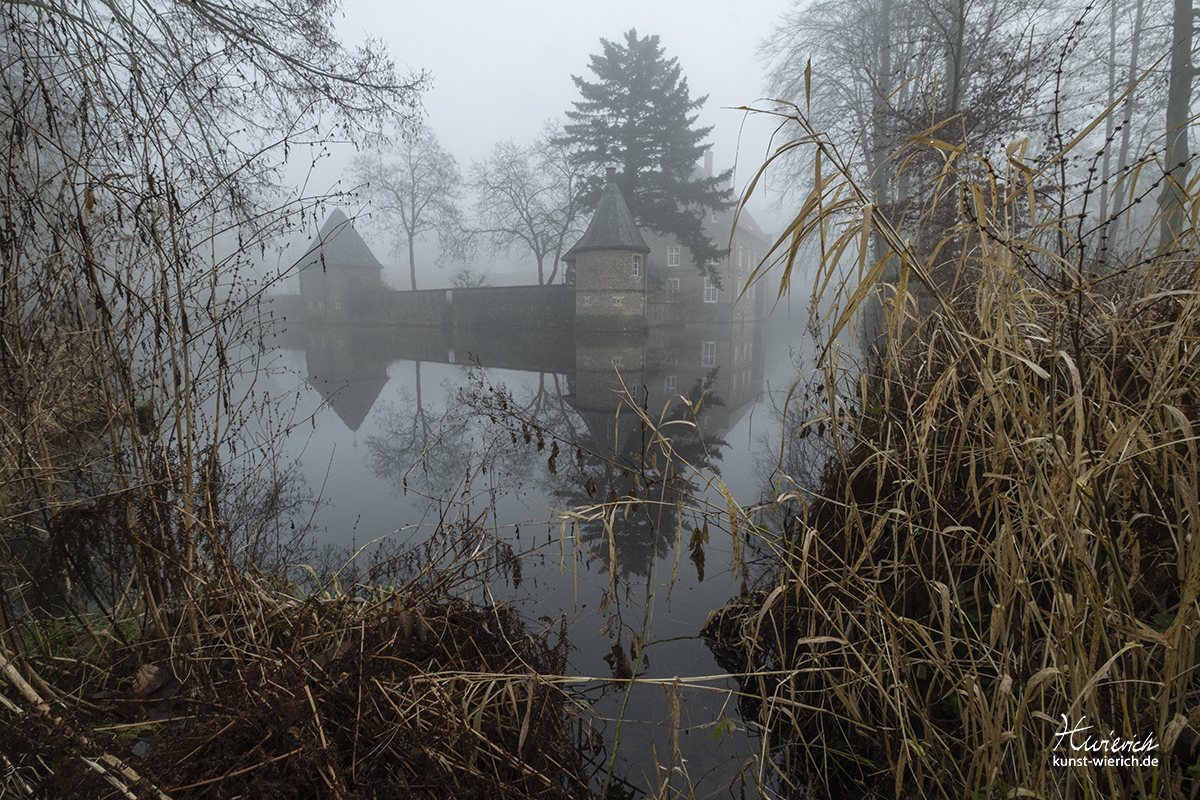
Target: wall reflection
[(566, 432)]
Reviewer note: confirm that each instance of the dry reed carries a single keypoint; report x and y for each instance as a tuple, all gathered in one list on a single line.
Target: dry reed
[(1004, 547)]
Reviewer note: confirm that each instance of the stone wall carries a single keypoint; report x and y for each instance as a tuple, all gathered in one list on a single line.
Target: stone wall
[(427, 307), (520, 307), (492, 307)]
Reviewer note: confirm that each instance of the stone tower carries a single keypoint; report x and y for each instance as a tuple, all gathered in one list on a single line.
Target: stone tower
[(610, 262), (338, 272)]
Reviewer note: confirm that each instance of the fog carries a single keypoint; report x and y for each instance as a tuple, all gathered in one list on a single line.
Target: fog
[(499, 71)]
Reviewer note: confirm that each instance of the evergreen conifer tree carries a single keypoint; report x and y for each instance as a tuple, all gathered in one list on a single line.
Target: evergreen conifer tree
[(639, 117)]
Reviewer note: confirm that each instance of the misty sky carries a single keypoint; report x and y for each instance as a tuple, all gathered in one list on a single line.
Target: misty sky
[(501, 69)]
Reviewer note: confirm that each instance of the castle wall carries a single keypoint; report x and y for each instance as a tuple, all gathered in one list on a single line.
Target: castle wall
[(513, 307), (492, 307)]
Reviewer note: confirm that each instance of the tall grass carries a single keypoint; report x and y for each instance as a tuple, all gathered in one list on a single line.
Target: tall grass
[(1005, 546)]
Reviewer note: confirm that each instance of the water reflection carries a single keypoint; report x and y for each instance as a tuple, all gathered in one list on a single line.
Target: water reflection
[(656, 479), (431, 425), (348, 367), (565, 433)]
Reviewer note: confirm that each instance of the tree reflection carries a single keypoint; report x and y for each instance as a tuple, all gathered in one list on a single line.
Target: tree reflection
[(421, 449), (453, 454), (648, 484), (626, 479)]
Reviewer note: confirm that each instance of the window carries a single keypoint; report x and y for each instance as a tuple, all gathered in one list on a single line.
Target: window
[(635, 266), (741, 257), (714, 216), (708, 355), (672, 256), (618, 300), (673, 290), (337, 303), (710, 290), (669, 386)]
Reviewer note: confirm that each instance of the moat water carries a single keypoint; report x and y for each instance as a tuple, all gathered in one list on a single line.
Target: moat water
[(401, 430)]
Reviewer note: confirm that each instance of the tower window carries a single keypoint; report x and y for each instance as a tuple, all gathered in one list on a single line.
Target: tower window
[(635, 266)]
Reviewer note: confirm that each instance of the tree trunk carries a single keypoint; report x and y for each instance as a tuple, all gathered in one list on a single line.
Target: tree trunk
[(1109, 122), (883, 88), (1130, 106), (955, 57), (412, 262), (872, 322), (1177, 157)]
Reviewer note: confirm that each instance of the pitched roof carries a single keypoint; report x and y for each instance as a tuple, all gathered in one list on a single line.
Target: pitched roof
[(341, 246), (612, 226)]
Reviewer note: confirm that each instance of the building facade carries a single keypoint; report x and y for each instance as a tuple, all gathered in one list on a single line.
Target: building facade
[(676, 280)]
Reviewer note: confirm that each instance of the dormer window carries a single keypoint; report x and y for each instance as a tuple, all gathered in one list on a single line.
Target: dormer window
[(635, 266)]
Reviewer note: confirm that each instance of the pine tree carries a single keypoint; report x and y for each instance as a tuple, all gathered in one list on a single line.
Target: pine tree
[(639, 117)]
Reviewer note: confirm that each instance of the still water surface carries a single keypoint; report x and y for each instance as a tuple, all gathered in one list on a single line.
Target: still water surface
[(410, 426)]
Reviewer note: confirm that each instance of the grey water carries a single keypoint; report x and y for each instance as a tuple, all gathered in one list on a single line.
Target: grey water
[(400, 429)]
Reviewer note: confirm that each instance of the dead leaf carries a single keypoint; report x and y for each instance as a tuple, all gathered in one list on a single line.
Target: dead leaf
[(619, 663), (699, 539), (149, 679)]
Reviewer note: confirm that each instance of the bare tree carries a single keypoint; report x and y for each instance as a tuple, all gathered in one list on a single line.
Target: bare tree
[(416, 185), (871, 72), (138, 185), (137, 189), (529, 197)]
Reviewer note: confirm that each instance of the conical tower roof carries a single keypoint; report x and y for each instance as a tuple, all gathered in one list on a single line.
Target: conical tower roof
[(341, 246), (612, 226)]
